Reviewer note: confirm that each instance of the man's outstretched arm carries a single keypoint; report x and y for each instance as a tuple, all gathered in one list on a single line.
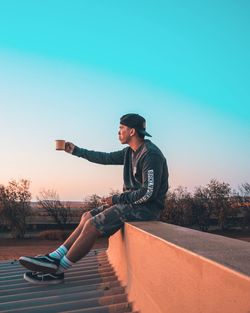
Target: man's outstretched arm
[(115, 158)]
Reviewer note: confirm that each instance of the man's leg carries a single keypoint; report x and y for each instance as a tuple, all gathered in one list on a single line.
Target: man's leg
[(73, 237), (84, 241), (77, 232), (107, 222), (49, 263), (61, 251), (80, 247)]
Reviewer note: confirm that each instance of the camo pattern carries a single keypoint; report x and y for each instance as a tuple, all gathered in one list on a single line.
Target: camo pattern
[(110, 219)]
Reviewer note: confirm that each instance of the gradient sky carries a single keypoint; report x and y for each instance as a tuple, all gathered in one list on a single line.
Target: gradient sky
[(70, 69)]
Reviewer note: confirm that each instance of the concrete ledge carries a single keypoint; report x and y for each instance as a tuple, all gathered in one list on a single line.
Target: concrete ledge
[(172, 269)]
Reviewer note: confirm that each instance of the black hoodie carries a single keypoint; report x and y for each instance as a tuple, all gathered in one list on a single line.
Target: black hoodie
[(145, 173)]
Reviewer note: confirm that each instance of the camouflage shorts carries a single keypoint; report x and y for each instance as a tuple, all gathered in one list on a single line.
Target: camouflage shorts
[(109, 220)]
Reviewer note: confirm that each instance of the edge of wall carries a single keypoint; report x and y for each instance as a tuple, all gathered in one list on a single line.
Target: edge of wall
[(163, 276)]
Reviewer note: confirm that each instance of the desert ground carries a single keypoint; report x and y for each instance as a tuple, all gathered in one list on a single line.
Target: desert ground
[(11, 249)]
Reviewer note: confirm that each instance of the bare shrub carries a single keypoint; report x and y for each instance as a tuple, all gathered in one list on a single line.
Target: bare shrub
[(60, 212), (15, 206)]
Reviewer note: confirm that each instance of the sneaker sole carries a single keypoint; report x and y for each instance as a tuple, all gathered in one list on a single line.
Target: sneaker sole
[(36, 282), (36, 266)]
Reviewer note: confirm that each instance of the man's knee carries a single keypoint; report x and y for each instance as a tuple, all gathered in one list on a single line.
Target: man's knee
[(90, 227)]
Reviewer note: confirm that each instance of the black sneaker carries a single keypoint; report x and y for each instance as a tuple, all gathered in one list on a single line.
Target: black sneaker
[(41, 263), (44, 279)]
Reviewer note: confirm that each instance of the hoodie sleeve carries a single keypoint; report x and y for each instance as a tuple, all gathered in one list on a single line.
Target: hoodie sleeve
[(151, 180), (115, 158)]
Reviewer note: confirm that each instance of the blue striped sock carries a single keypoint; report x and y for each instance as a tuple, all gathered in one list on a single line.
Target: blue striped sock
[(59, 253), (65, 264)]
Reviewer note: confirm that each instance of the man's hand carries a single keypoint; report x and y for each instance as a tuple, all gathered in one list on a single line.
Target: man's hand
[(69, 147), (107, 200)]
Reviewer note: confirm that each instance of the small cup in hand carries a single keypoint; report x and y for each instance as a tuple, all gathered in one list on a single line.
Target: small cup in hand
[(60, 145)]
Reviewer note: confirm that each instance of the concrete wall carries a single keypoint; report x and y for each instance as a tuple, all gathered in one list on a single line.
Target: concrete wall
[(172, 269)]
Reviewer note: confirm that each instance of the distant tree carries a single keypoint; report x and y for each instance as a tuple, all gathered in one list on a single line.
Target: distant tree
[(113, 192), (3, 200), (2, 193), (244, 199), (245, 191), (201, 208), (216, 200), (50, 202), (15, 206), (178, 207), (219, 200), (92, 202)]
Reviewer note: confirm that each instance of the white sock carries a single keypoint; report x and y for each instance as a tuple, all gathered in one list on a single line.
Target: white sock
[(65, 264), (59, 253)]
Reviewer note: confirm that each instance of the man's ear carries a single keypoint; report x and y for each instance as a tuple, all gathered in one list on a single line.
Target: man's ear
[(132, 132)]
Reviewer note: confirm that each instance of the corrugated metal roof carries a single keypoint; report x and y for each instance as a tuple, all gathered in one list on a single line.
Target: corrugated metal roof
[(90, 286)]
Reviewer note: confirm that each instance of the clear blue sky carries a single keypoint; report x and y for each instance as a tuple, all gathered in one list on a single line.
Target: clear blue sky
[(70, 69)]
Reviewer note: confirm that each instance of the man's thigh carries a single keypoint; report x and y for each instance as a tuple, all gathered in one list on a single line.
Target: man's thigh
[(98, 210), (109, 220)]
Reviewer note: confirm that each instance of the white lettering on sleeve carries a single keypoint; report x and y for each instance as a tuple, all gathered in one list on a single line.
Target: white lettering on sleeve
[(150, 189)]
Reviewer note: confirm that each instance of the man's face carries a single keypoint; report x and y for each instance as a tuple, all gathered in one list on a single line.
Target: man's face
[(125, 134)]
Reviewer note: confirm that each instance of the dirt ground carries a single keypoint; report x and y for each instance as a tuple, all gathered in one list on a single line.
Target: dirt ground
[(13, 248)]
